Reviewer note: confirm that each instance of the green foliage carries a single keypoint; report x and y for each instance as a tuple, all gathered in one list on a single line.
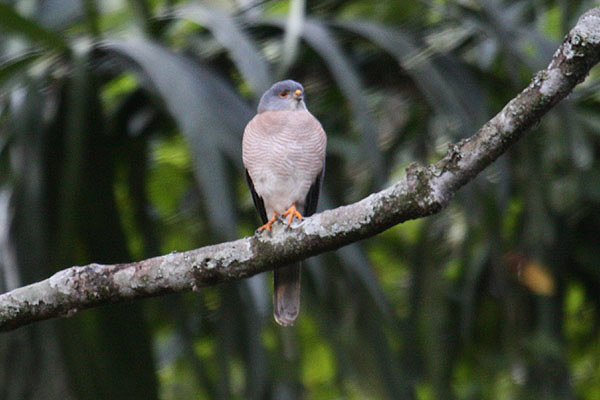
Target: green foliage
[(120, 133)]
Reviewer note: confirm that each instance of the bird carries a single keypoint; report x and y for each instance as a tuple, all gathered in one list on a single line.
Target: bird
[(283, 152)]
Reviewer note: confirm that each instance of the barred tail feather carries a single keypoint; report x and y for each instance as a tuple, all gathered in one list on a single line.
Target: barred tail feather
[(286, 294)]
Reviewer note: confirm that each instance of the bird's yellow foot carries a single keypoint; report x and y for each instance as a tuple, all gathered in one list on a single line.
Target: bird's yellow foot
[(269, 223), (291, 213)]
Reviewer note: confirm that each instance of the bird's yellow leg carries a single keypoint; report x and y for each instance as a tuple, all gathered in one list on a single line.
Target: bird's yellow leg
[(270, 222), (292, 212)]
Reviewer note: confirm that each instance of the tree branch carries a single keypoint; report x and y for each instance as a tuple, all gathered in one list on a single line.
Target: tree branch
[(423, 191)]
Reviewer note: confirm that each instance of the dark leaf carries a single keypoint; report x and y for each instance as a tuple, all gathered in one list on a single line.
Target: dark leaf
[(10, 67), (12, 21), (242, 50), (444, 88), (210, 114)]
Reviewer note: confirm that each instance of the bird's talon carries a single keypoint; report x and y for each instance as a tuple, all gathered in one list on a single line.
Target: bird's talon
[(265, 227), (269, 223), (291, 213)]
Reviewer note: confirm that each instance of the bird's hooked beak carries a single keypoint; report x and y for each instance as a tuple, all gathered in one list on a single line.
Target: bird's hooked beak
[(298, 95)]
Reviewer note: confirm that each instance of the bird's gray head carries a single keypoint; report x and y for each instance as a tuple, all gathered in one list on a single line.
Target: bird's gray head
[(283, 96)]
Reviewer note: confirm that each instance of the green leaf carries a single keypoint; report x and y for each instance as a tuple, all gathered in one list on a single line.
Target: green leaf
[(360, 270), (445, 91), (59, 14), (242, 50), (292, 36), (23, 253), (348, 79), (12, 21), (14, 65), (210, 114)]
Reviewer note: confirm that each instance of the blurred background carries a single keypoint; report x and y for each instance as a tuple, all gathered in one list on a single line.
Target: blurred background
[(120, 139)]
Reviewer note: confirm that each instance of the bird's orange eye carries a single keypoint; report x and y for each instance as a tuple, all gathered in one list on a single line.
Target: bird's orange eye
[(283, 93)]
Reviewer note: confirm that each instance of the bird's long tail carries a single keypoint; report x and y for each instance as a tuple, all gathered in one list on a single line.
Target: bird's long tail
[(286, 294)]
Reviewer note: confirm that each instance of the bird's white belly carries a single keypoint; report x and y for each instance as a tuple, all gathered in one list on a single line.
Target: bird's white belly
[(280, 190)]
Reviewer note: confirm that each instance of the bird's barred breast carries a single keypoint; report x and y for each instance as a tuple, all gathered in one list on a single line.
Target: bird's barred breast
[(283, 151)]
